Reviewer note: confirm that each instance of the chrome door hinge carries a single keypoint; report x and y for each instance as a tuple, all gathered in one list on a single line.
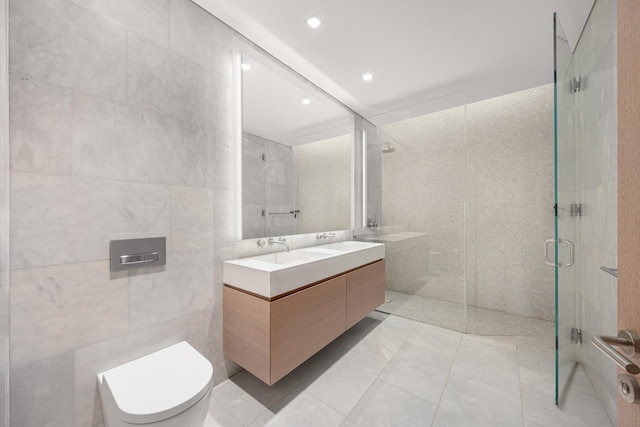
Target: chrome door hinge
[(576, 335), (576, 209), (575, 84)]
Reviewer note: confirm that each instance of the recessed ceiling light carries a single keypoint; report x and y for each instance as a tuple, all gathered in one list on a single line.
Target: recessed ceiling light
[(246, 66), (367, 77), (306, 101), (314, 22)]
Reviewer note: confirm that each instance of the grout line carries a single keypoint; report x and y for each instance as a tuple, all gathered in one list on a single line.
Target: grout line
[(446, 384)]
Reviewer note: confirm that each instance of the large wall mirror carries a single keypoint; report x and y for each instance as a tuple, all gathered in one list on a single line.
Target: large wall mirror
[(297, 146)]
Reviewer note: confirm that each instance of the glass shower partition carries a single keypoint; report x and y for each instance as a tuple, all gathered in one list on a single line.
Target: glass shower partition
[(586, 197), (565, 198), (422, 220)]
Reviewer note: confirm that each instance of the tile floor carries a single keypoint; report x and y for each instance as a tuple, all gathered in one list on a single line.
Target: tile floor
[(392, 371), (526, 332)]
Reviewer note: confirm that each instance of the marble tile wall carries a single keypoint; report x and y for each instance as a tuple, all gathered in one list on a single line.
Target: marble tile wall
[(268, 185), (596, 189), (423, 192), (510, 200), (121, 119), (324, 184), (4, 217)]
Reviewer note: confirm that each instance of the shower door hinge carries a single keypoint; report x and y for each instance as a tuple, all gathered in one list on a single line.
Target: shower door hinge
[(577, 84), (576, 209), (264, 157), (576, 335)]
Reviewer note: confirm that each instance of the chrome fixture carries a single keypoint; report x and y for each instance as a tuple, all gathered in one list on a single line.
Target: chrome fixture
[(628, 389), (261, 243), (294, 212), (576, 209), (628, 342), (371, 223), (576, 335), (388, 148), (329, 235), (280, 241), (136, 253)]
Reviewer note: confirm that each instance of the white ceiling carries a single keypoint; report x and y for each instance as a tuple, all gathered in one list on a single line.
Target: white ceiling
[(272, 105), (416, 49)]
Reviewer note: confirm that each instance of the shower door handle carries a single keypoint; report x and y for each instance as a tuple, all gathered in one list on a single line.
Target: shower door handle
[(546, 252), (571, 251), (560, 242)]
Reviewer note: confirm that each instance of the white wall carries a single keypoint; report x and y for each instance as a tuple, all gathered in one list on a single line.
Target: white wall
[(4, 218)]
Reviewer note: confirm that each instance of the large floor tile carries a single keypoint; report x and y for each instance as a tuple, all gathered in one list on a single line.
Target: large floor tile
[(538, 368), (300, 410), (386, 405), (219, 417), (491, 362), (420, 371), (580, 408), (467, 402), (344, 382), (246, 398), (385, 339), (435, 338)]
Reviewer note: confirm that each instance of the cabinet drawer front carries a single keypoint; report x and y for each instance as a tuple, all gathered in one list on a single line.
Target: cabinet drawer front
[(304, 322), (246, 332), (365, 291)]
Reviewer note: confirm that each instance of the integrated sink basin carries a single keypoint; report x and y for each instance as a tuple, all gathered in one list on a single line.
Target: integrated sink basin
[(282, 272)]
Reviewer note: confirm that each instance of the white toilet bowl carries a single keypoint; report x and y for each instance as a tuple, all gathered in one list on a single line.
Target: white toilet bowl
[(168, 388)]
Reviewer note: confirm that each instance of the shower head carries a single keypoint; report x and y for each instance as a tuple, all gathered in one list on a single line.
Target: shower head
[(388, 150)]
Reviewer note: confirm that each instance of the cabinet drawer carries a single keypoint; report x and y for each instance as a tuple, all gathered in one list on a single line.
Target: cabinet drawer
[(304, 322), (365, 291)]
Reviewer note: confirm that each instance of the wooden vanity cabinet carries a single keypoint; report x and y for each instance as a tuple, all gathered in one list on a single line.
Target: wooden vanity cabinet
[(270, 338)]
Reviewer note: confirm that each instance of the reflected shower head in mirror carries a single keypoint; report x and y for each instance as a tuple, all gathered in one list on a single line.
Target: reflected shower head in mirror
[(388, 149)]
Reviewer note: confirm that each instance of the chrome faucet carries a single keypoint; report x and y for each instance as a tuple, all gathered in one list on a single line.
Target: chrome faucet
[(328, 235), (280, 241)]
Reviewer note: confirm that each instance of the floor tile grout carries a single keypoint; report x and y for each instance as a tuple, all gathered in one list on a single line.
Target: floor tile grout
[(382, 341)]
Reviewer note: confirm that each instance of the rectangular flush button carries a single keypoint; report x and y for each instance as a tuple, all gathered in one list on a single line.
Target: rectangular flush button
[(135, 253)]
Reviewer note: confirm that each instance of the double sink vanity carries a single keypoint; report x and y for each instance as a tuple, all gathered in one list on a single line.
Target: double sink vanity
[(282, 308)]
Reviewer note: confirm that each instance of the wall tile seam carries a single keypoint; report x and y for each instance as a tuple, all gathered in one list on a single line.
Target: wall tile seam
[(107, 260), (128, 105), (112, 20), (169, 186), (121, 335), (202, 67), (168, 30), (137, 108)]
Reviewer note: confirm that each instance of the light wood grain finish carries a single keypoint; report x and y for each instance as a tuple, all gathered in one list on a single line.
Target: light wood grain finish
[(246, 337), (304, 322), (272, 338), (365, 291), (628, 183)]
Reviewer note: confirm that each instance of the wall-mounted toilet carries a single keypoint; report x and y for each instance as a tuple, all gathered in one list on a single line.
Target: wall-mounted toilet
[(168, 388)]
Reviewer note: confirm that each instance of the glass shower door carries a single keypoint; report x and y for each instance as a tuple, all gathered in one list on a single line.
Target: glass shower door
[(565, 198)]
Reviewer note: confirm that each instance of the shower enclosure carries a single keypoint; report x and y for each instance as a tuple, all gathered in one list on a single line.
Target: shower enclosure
[(466, 202), (586, 196)]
